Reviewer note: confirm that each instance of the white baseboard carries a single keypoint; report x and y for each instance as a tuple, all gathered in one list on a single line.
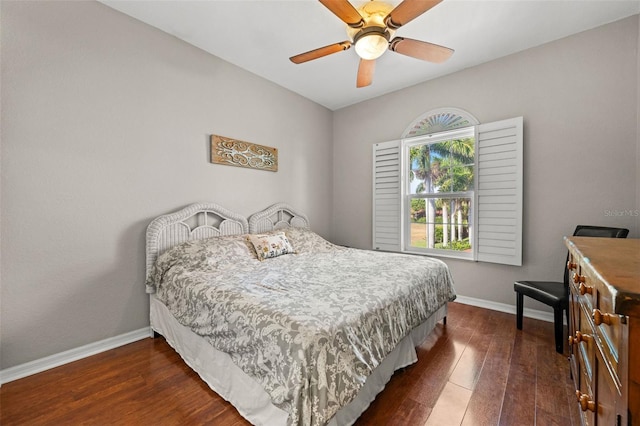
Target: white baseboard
[(503, 307), (40, 365), (56, 360)]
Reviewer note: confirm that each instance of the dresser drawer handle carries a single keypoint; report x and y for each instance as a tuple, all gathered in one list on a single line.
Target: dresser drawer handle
[(585, 289), (571, 266), (579, 278), (579, 337), (600, 317), (586, 403)]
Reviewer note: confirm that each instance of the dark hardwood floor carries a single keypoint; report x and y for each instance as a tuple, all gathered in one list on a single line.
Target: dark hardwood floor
[(475, 370)]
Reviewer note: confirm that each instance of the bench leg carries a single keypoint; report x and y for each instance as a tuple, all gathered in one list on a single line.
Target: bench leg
[(559, 329), (519, 308)]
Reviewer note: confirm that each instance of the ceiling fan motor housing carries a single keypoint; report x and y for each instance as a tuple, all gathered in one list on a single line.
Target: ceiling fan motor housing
[(367, 31)]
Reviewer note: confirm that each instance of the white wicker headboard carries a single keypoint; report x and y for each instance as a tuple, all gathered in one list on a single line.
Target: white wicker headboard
[(194, 222), (278, 216)]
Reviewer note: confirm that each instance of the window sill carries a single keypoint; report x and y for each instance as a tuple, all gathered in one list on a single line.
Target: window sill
[(438, 253)]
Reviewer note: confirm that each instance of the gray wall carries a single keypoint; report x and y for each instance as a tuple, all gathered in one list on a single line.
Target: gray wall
[(105, 125), (579, 100)]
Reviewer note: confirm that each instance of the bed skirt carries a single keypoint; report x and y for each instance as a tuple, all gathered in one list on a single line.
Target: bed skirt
[(254, 404)]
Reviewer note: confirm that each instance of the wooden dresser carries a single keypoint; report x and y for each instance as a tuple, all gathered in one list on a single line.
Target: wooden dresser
[(604, 334)]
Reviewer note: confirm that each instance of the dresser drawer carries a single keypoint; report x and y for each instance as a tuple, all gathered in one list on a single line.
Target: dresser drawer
[(598, 404), (608, 392), (610, 329), (588, 417), (584, 343), (585, 285)]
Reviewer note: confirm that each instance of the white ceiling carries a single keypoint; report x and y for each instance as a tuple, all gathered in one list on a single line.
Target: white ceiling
[(261, 35)]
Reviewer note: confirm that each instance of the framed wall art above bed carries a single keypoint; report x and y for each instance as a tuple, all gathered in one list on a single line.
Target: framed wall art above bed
[(307, 335), (233, 152)]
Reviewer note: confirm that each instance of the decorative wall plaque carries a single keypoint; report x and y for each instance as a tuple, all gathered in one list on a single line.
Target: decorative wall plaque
[(233, 152)]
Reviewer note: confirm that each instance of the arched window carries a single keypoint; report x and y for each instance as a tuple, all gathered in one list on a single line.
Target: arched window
[(451, 187), (439, 120)]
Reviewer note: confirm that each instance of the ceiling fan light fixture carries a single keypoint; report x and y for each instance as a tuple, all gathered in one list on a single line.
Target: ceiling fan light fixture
[(371, 46)]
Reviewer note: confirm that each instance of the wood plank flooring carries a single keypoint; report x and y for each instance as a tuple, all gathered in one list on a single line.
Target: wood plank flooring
[(478, 369)]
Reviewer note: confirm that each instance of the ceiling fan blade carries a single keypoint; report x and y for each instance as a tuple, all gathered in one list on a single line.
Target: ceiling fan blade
[(345, 11), (407, 11), (320, 52), (420, 49), (365, 72)]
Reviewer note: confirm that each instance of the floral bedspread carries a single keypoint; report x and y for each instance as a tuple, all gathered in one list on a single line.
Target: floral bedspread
[(309, 327)]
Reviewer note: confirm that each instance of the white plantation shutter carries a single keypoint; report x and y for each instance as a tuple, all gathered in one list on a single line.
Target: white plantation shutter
[(387, 202), (499, 192)]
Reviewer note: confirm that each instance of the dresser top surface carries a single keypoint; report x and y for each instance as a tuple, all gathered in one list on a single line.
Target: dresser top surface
[(617, 262)]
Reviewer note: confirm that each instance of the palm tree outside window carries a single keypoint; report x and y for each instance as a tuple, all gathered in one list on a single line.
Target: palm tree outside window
[(439, 192)]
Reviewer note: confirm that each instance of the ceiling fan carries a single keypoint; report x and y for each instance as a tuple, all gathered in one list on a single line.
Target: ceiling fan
[(370, 29)]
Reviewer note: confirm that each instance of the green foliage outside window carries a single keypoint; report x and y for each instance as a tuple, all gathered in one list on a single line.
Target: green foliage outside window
[(442, 167)]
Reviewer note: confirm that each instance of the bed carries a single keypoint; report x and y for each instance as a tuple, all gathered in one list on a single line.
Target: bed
[(287, 327)]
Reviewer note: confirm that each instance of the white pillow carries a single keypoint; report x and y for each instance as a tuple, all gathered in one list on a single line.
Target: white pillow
[(270, 245)]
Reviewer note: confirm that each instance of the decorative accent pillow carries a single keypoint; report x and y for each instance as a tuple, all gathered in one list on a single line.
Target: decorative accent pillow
[(270, 245)]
